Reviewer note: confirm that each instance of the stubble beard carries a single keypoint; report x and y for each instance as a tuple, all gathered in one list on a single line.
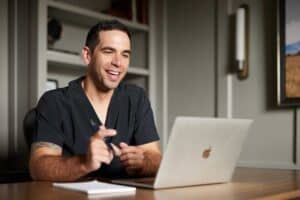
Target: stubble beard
[(102, 84)]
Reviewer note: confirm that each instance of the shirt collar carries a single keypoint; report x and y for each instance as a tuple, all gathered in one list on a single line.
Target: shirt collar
[(84, 104)]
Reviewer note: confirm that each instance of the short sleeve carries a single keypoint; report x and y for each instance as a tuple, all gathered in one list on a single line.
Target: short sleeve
[(145, 129), (49, 120)]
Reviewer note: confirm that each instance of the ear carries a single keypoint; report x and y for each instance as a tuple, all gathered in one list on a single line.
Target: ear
[(86, 55)]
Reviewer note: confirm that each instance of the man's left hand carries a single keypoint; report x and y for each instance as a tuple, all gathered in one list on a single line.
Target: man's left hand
[(132, 157), (140, 160)]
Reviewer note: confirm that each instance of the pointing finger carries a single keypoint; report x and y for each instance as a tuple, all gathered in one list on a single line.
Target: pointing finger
[(103, 132)]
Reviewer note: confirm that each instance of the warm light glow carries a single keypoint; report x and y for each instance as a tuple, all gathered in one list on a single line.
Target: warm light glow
[(240, 36)]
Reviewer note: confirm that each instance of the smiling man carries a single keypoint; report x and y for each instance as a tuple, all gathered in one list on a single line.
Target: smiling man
[(97, 125)]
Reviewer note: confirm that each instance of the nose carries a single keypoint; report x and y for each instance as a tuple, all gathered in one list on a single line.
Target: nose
[(116, 60)]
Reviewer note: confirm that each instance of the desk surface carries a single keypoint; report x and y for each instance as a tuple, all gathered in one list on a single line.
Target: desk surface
[(246, 183)]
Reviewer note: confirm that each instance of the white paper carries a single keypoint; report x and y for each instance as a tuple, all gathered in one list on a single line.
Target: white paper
[(96, 187)]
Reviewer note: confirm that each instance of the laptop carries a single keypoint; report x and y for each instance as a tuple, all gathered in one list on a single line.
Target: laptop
[(199, 151)]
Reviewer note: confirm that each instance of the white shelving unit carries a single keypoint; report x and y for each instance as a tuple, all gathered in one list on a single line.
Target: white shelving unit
[(76, 20), (64, 59), (83, 15)]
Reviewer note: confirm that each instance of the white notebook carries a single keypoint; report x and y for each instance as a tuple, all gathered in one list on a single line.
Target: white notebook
[(97, 188)]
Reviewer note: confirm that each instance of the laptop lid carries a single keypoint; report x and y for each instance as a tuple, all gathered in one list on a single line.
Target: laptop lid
[(199, 151)]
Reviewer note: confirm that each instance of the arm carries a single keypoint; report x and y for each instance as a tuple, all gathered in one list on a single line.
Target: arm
[(142, 160), (47, 163)]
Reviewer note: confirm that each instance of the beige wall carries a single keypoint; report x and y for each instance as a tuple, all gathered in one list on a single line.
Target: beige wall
[(190, 31), (3, 84), (271, 141), (194, 63)]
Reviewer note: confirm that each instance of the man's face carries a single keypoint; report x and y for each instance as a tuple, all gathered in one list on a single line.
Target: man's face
[(110, 59)]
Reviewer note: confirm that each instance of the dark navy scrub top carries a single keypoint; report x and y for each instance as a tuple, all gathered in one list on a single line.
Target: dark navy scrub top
[(66, 117)]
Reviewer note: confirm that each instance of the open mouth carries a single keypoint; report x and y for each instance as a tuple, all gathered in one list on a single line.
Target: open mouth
[(113, 75)]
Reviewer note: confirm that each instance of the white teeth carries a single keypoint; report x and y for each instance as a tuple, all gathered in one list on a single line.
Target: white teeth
[(113, 72)]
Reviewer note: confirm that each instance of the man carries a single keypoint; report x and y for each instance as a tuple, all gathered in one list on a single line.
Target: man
[(77, 125)]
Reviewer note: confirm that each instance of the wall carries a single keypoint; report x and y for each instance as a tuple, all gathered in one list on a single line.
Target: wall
[(156, 60), (15, 79), (271, 140), (20, 53), (202, 82), (190, 32), (3, 84)]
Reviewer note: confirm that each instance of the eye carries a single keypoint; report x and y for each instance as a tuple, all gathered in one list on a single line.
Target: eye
[(108, 51), (126, 55)]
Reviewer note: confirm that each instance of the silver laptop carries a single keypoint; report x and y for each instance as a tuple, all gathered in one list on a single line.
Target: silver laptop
[(199, 151)]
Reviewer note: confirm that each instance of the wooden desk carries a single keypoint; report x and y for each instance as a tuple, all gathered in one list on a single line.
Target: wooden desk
[(247, 183)]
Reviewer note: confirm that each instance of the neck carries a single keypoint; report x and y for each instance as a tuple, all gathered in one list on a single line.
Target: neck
[(94, 93)]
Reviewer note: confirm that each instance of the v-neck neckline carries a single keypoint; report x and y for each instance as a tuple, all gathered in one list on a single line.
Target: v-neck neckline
[(113, 107)]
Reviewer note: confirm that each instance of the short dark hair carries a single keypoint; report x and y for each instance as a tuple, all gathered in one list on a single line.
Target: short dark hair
[(93, 39)]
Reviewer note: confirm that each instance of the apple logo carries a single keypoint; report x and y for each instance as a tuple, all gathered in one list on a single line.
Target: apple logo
[(206, 153)]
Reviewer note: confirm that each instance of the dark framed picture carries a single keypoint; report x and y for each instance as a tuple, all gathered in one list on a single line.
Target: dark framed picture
[(51, 84), (288, 52)]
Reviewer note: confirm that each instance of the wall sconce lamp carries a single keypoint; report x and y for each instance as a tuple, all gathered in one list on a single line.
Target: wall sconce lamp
[(242, 41)]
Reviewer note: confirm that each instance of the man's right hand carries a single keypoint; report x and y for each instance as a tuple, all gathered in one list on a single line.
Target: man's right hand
[(98, 152), (48, 164)]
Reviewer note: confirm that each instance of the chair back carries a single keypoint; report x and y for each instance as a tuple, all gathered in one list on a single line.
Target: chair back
[(30, 126)]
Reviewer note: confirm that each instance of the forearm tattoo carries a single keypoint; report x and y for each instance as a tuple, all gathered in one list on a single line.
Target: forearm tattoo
[(49, 145), (55, 167)]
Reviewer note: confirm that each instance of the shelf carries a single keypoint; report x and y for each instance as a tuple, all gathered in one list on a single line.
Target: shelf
[(64, 58), (88, 17), (76, 61)]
